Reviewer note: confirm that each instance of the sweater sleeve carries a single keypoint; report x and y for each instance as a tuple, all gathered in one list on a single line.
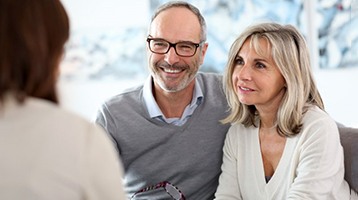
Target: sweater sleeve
[(105, 120), (319, 158), (228, 188)]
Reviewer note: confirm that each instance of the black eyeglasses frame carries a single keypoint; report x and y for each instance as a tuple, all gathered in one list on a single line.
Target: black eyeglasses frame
[(149, 39)]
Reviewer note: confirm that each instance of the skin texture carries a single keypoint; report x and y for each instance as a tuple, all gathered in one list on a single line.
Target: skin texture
[(174, 75), (259, 82), (257, 79)]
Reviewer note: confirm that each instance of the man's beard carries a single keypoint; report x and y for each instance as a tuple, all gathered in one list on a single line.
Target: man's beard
[(184, 82)]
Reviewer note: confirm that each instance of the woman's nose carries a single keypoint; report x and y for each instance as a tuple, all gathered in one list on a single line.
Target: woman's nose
[(243, 72)]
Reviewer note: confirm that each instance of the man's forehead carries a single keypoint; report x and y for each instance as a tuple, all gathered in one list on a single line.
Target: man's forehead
[(176, 23)]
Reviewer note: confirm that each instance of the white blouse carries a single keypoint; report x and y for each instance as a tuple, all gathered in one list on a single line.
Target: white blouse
[(311, 166)]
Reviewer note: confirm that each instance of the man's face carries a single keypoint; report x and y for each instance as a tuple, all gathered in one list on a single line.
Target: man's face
[(170, 71)]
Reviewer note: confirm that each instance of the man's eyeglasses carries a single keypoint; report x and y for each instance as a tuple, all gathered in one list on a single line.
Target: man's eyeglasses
[(184, 49), (173, 191)]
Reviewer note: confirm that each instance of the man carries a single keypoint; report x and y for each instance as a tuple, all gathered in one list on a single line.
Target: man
[(169, 129)]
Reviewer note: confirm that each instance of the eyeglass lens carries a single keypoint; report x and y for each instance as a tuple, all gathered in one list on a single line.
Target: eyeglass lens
[(173, 191), (181, 48)]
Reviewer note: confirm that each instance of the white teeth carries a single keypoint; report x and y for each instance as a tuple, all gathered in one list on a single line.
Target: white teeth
[(172, 70), (246, 89)]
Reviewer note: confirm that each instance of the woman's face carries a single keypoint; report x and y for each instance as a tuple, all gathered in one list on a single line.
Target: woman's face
[(256, 78)]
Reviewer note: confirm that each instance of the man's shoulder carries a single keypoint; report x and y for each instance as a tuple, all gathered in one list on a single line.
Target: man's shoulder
[(130, 94), (210, 80), (209, 76)]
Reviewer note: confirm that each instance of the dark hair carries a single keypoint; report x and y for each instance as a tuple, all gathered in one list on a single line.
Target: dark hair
[(32, 38)]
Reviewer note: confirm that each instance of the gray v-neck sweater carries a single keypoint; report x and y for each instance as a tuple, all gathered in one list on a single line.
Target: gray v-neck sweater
[(152, 151)]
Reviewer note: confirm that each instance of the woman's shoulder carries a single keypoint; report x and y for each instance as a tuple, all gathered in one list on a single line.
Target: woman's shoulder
[(241, 131), (58, 120), (315, 115), (318, 122)]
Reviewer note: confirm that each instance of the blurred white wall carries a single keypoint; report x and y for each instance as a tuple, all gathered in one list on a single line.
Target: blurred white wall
[(340, 94), (106, 14)]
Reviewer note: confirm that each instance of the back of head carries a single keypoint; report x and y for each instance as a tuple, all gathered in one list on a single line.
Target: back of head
[(32, 38)]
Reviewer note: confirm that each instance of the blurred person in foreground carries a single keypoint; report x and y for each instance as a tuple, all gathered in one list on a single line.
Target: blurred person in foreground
[(167, 131), (282, 144), (46, 152)]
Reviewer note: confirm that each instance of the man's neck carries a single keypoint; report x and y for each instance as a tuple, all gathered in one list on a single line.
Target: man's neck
[(172, 104)]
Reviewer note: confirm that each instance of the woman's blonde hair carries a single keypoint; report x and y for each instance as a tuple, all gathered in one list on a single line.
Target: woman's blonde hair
[(290, 53)]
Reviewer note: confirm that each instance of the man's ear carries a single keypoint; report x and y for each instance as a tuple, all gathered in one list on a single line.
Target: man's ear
[(203, 50)]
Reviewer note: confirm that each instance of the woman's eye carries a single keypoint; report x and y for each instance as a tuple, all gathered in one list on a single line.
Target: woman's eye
[(239, 61), (260, 65)]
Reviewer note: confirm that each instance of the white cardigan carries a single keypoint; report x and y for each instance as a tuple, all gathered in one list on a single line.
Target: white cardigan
[(48, 153), (311, 166)]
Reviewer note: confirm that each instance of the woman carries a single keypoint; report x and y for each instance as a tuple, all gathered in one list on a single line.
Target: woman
[(281, 145), (45, 152)]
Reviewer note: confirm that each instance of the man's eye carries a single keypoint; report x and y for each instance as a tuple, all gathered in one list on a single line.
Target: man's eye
[(185, 46), (159, 44)]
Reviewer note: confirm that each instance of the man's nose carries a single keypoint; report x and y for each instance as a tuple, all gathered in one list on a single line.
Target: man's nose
[(171, 57)]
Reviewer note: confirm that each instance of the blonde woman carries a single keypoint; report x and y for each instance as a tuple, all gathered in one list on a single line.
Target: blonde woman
[(282, 144)]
